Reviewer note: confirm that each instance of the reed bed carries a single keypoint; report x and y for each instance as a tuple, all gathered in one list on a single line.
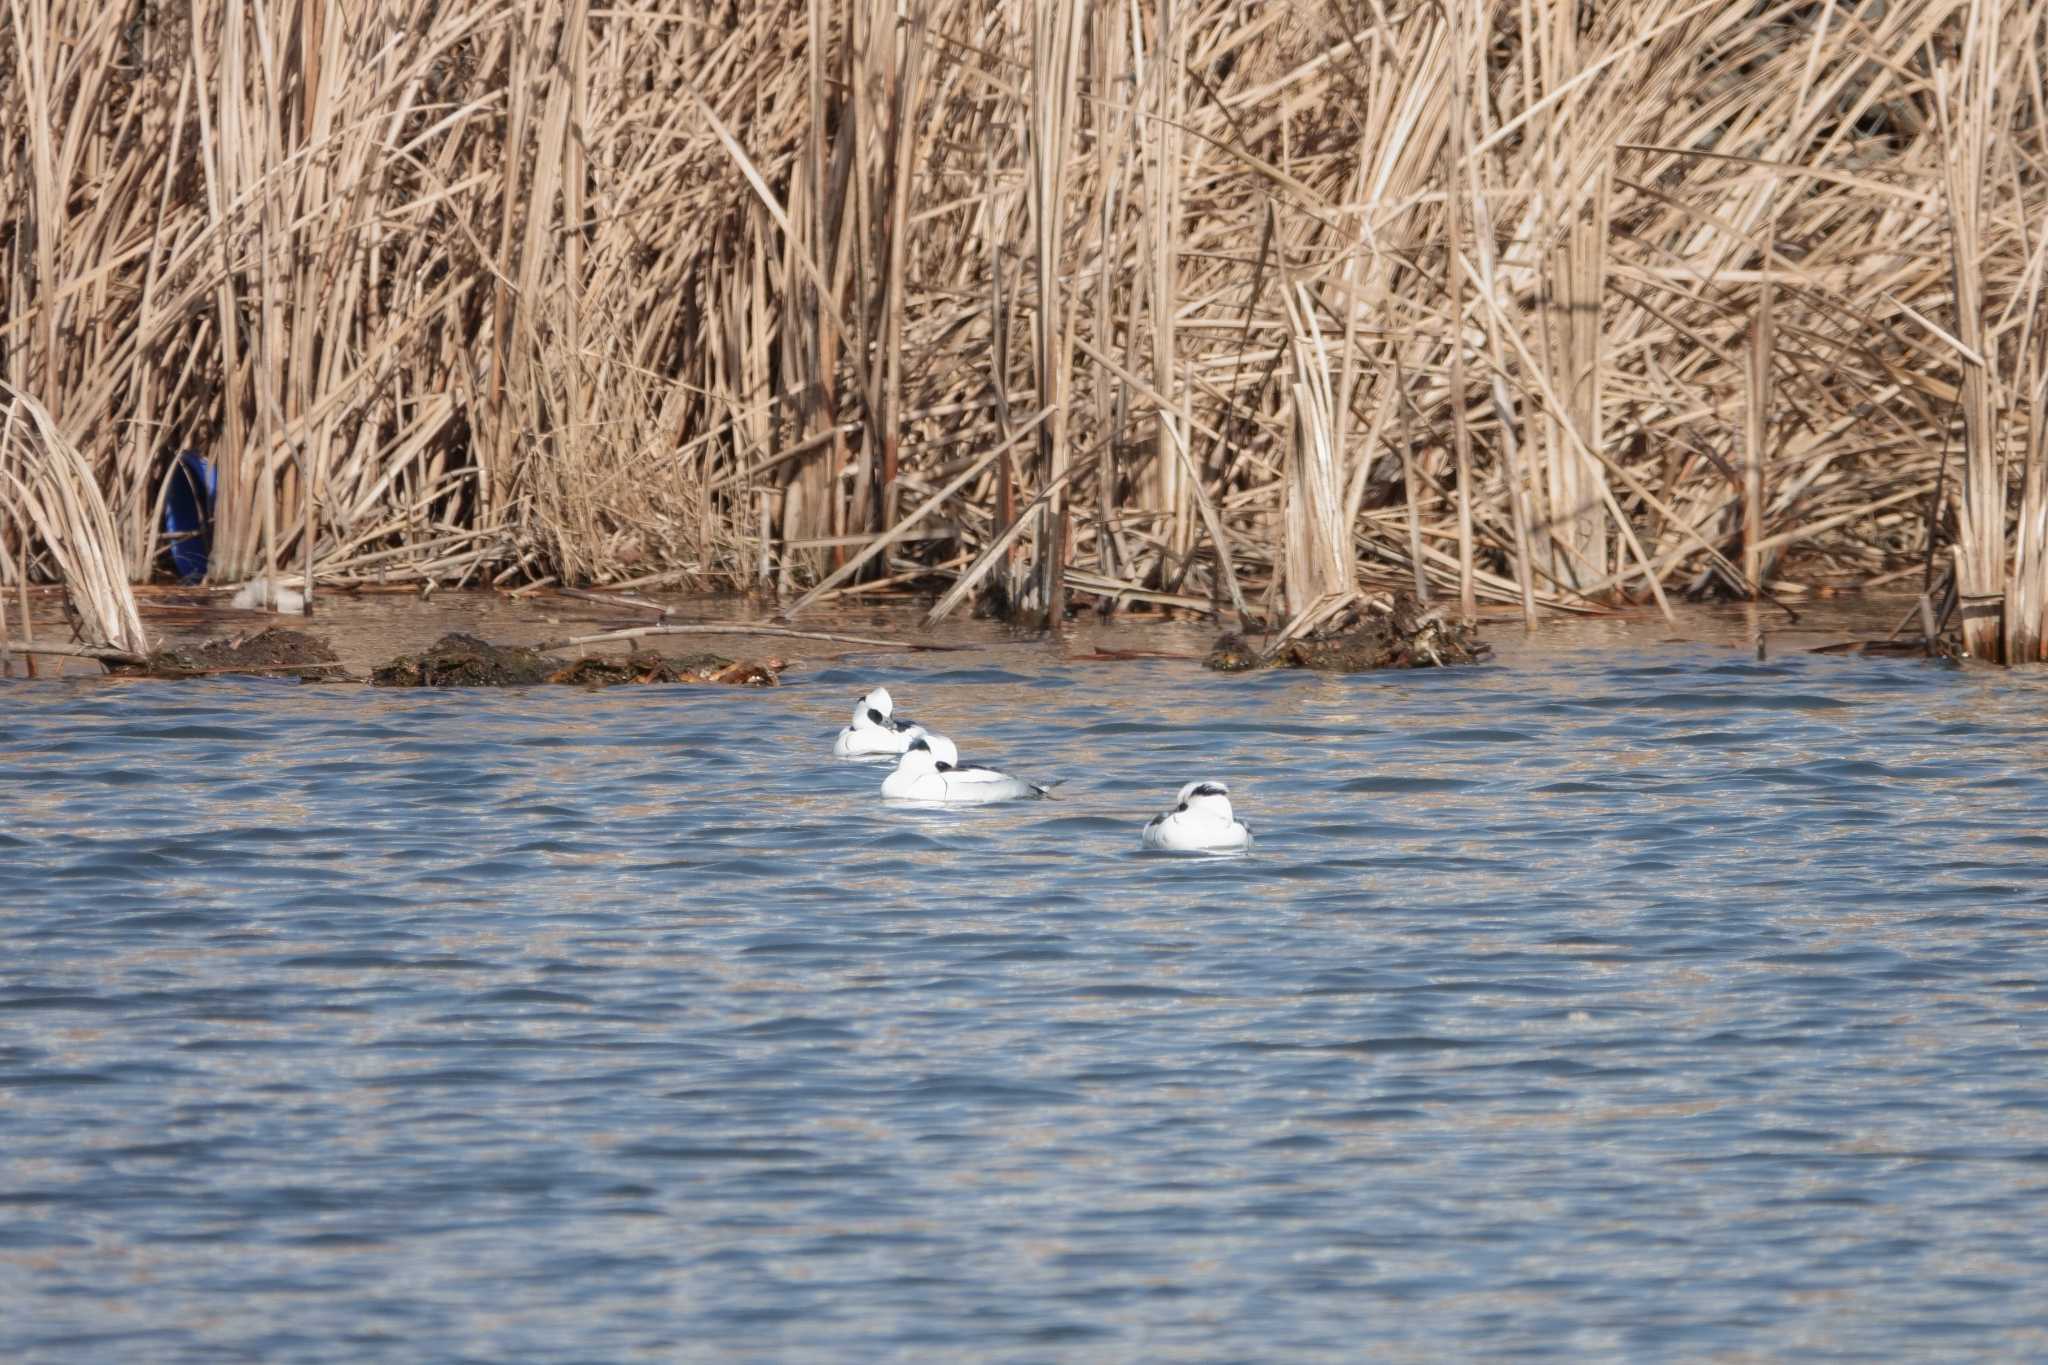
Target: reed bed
[(1202, 304), (47, 492)]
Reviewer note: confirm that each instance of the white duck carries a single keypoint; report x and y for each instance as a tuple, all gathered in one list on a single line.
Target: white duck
[(1202, 822), (930, 771), (875, 732)]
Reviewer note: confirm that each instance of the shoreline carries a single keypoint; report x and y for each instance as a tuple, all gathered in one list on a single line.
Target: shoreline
[(368, 629)]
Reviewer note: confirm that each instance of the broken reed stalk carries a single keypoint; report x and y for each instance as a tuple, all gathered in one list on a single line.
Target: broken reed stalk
[(995, 552), (742, 628), (1454, 277), (1056, 31), (47, 490), (2026, 591), (1980, 510), (28, 624), (924, 509), (97, 653), (614, 600), (1319, 557), (1755, 436), (6, 638), (457, 302)]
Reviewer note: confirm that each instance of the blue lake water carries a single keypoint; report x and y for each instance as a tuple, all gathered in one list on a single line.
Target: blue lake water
[(1614, 1003)]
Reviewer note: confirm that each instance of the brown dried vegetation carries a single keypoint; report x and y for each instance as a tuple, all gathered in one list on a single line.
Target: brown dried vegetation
[(1220, 303)]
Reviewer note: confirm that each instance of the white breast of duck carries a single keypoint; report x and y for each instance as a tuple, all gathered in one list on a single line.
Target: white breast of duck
[(1200, 822), (930, 770)]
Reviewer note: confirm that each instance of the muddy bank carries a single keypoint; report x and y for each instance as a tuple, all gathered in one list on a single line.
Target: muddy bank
[(370, 630), (1375, 634), (276, 652), (460, 660), (455, 660), (648, 667)]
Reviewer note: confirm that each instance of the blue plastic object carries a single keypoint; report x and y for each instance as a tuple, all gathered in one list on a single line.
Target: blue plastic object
[(188, 515)]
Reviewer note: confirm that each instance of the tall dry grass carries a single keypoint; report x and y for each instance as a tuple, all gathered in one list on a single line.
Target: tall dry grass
[(47, 491), (1194, 302)]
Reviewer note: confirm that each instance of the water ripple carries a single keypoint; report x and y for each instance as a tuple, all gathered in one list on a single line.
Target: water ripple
[(1619, 1003)]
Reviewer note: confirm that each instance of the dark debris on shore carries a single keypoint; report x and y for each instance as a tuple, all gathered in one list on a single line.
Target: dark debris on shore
[(458, 660), (276, 652), (455, 660), (645, 666), (1371, 634)]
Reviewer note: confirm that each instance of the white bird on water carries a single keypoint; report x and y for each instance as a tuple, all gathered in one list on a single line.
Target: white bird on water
[(1202, 822), (930, 770), (875, 732)]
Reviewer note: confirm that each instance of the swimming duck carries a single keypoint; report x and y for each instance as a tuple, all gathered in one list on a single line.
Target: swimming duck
[(930, 770), (875, 731), (1202, 822)]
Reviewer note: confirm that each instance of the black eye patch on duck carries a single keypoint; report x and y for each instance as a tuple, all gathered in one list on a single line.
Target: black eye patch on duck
[(919, 743), (876, 716)]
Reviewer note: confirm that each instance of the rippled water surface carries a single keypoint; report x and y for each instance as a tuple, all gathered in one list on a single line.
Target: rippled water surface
[(1607, 1003)]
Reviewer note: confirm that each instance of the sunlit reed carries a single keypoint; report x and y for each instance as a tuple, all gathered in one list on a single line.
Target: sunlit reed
[(1545, 307)]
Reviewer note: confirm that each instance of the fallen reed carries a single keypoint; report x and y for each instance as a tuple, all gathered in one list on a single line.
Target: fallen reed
[(47, 492), (1197, 302)]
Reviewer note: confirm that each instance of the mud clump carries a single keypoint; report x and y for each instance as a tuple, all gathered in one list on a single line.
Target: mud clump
[(276, 652), (1369, 635), (1232, 655), (648, 667), (465, 661), (459, 660), (596, 672)]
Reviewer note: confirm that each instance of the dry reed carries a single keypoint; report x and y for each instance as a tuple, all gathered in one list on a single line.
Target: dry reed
[(47, 491), (1191, 301)]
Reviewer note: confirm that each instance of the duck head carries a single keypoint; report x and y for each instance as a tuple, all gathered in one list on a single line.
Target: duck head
[(874, 710), (918, 759), (1208, 799)]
